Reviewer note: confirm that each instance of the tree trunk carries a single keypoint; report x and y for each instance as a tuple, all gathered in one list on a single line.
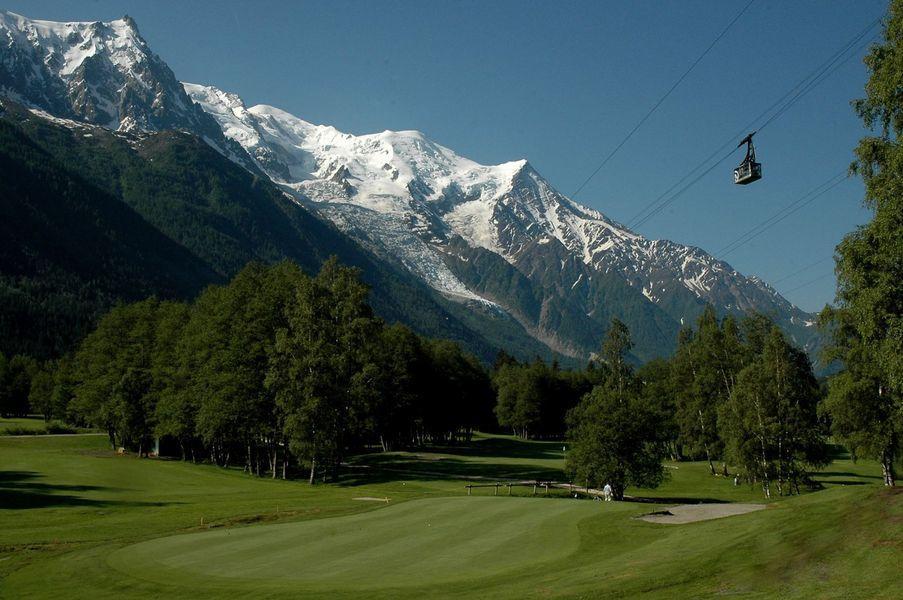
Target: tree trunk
[(313, 471), (887, 468), (705, 445)]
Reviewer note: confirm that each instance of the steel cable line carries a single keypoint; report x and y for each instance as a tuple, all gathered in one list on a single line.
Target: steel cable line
[(809, 80), (810, 282), (815, 82), (785, 212), (803, 87), (677, 194), (662, 99), (802, 269)]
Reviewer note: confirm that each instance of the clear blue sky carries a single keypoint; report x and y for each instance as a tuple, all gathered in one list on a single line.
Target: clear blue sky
[(560, 83)]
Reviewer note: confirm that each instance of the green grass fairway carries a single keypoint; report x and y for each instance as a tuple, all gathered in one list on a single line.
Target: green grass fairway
[(34, 426), (432, 542), (77, 521), (21, 423)]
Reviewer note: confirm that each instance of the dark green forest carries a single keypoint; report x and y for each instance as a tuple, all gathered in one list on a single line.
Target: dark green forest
[(278, 371), (272, 370)]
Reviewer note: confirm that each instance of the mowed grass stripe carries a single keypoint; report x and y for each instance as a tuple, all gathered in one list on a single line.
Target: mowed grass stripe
[(440, 539)]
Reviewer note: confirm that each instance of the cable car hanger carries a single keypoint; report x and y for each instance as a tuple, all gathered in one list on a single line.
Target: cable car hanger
[(749, 170)]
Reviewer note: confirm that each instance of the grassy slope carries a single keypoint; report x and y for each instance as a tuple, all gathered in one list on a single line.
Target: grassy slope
[(23, 423), (70, 513)]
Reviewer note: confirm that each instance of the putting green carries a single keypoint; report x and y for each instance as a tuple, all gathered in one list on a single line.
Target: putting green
[(414, 543)]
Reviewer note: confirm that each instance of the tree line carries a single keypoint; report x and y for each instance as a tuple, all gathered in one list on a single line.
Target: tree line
[(734, 393), (273, 370), (739, 393)]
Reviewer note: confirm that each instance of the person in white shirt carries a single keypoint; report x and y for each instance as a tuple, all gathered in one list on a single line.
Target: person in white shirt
[(606, 492)]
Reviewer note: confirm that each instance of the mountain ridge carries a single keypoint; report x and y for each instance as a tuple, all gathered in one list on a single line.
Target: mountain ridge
[(497, 237), (402, 185), (193, 204)]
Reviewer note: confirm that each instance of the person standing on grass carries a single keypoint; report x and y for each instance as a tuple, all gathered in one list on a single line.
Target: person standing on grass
[(606, 492)]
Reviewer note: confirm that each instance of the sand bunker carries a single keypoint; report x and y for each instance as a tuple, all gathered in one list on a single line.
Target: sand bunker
[(690, 513)]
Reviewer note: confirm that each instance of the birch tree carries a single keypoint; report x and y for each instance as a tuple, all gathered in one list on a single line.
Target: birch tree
[(865, 400)]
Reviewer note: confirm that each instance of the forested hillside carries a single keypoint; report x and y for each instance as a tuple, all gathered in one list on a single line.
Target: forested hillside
[(176, 215), (71, 249)]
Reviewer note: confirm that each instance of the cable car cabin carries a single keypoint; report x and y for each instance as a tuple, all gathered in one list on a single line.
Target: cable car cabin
[(749, 170)]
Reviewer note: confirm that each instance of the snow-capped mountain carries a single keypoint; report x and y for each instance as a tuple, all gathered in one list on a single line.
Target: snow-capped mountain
[(100, 73), (497, 238), (411, 199)]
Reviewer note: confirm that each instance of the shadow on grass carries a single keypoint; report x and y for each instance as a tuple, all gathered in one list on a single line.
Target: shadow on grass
[(384, 469), (21, 490), (820, 474), (428, 463), (672, 500), (839, 482), (509, 459), (499, 447)]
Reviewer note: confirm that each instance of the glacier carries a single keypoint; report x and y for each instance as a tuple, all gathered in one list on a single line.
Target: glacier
[(500, 236), (393, 188)]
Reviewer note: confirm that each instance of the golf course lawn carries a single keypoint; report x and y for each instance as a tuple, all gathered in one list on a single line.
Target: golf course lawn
[(451, 539), (77, 521)]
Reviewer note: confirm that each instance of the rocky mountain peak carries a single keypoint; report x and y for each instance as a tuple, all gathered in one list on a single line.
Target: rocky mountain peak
[(500, 235)]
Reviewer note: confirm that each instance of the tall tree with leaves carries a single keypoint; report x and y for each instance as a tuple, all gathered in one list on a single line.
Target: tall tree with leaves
[(40, 393), (122, 342), (390, 385), (15, 384), (704, 371), (315, 359), (459, 398), (615, 434), (655, 378), (769, 422), (176, 405), (520, 397), (865, 401)]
